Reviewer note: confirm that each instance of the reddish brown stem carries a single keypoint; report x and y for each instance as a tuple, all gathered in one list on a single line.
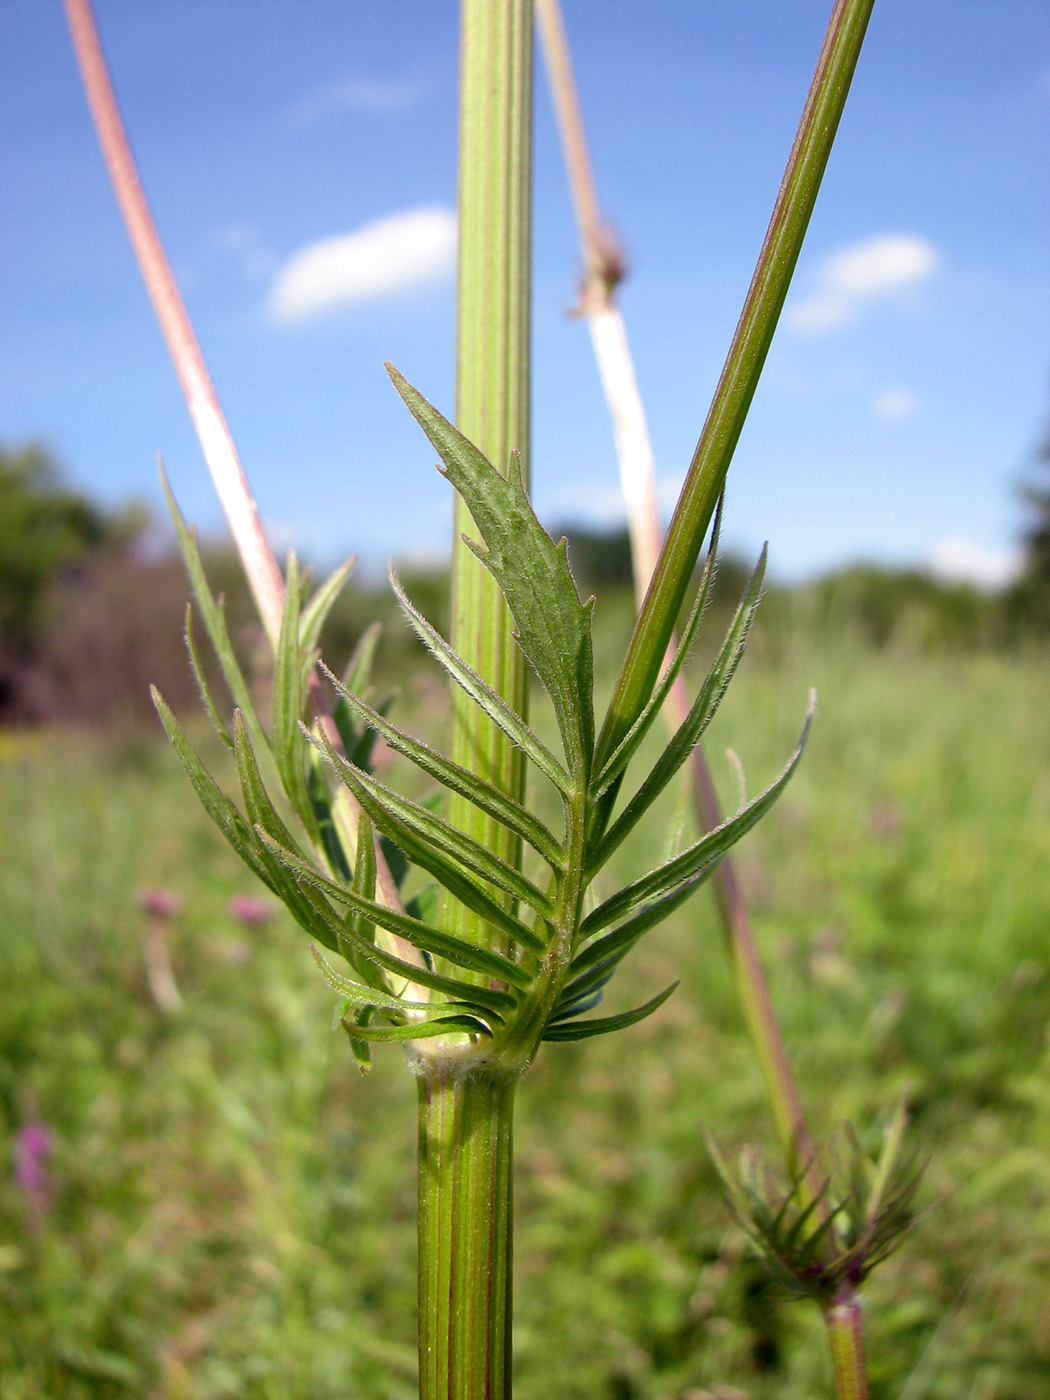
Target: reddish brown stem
[(220, 452)]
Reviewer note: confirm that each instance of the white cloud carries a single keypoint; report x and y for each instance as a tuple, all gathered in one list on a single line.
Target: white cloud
[(896, 404), (863, 272), (957, 560), (376, 96), (375, 260), (242, 242)]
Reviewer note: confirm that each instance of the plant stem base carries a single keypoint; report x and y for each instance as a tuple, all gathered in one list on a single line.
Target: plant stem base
[(465, 1145)]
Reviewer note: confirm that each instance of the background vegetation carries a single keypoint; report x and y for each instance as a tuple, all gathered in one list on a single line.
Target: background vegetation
[(201, 1198)]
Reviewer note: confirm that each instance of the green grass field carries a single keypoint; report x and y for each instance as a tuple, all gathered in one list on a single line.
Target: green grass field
[(231, 1208)]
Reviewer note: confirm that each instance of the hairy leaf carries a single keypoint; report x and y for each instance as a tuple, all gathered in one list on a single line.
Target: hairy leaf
[(704, 853), (554, 627), (204, 690), (617, 944), (422, 935), (444, 868), (288, 686), (690, 731), (628, 745), (460, 780), (487, 699), (315, 613), (439, 835), (214, 801), (215, 623), (419, 1030)]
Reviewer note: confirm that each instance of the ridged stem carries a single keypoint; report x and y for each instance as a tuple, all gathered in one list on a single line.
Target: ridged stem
[(492, 379), (846, 1342), (465, 1201), (465, 1117)]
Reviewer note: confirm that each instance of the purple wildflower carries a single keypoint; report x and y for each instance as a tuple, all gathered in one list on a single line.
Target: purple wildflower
[(32, 1150), (160, 903), (250, 910)]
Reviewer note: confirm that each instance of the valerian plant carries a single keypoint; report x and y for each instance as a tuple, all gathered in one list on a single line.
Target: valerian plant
[(473, 1014), (497, 953)]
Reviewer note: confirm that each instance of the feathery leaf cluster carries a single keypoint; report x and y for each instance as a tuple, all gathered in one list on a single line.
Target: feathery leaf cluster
[(818, 1245), (550, 957)]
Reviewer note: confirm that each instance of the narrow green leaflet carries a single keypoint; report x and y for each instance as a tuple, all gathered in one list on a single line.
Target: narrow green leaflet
[(457, 779), (328, 826), (603, 1025), (357, 740), (315, 614), (307, 905), (418, 1030), (614, 946), (359, 668), (554, 627), (415, 931), (364, 885), (338, 931), (439, 835), (358, 995), (204, 690), (215, 621), (257, 803), (288, 685), (444, 868), (705, 852), (586, 990), (628, 745), (214, 801), (692, 727), (487, 699)]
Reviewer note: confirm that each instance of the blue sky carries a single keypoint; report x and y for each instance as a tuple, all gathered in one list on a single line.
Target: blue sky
[(288, 149)]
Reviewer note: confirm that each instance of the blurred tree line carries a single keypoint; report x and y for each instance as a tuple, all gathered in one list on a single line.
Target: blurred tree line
[(92, 608), (1032, 592), (92, 611)]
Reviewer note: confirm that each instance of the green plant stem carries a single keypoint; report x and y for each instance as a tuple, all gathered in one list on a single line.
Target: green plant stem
[(465, 1153), (846, 1342), (465, 1118), (492, 378), (739, 379)]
